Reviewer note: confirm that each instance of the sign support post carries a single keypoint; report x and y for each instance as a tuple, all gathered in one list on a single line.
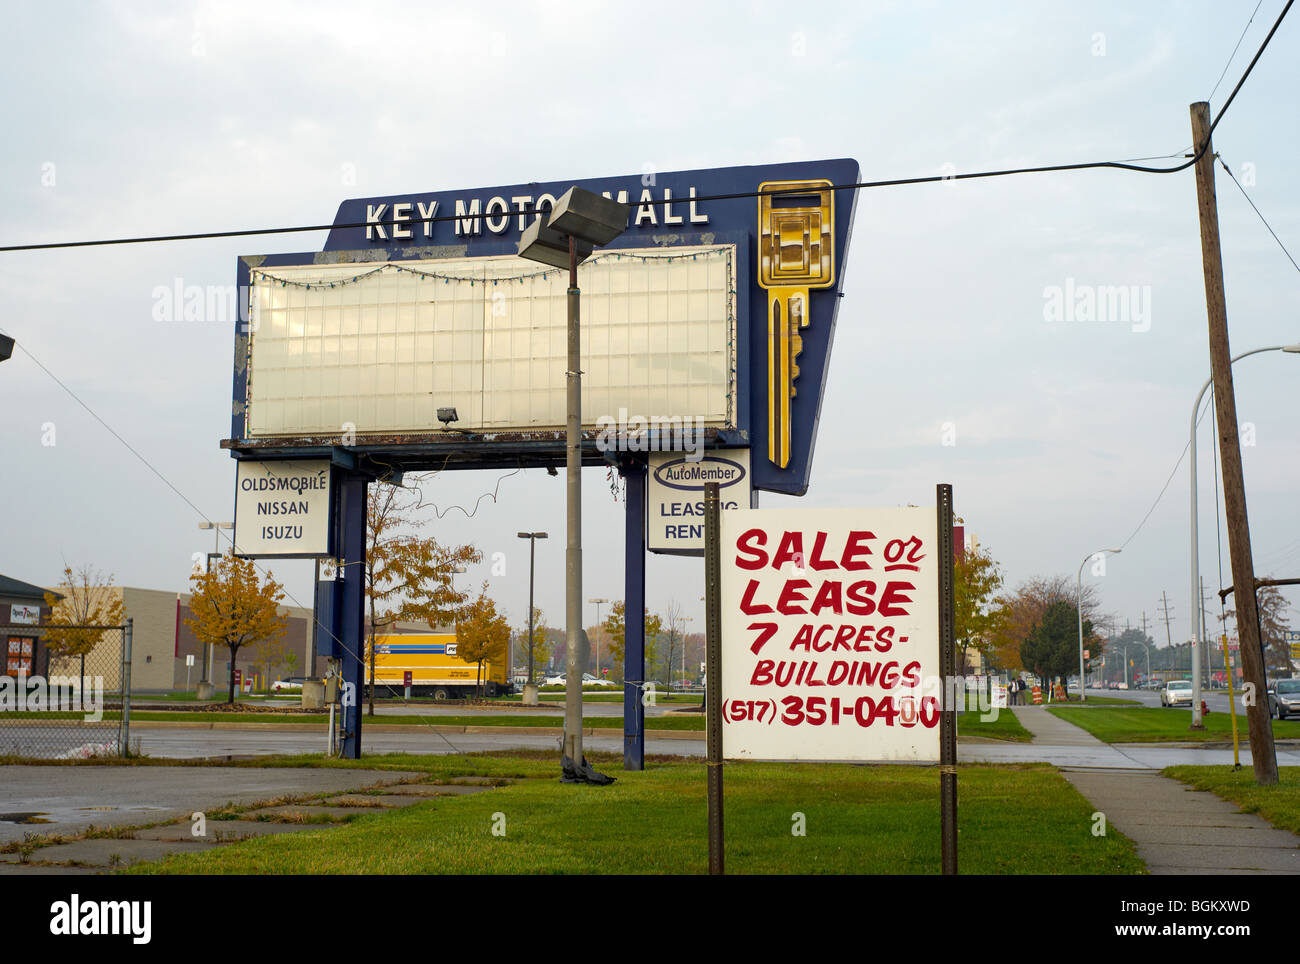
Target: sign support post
[(350, 628), (713, 670), (634, 474), (1232, 706), (947, 670)]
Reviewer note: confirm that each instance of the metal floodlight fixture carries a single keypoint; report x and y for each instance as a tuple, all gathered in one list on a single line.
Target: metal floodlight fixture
[(6, 347), (531, 535), (447, 416), (588, 217), (542, 244)]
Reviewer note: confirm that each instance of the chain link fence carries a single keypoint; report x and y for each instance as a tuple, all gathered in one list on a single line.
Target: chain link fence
[(65, 693)]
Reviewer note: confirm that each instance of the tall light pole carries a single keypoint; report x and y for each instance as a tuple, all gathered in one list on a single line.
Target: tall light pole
[(532, 538), (685, 619), (579, 222), (1198, 619), (216, 528), (1078, 606), (599, 630)]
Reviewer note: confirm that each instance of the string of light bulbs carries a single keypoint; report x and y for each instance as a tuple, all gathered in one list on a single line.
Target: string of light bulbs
[(717, 255)]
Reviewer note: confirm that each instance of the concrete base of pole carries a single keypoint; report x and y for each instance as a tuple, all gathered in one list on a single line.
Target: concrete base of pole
[(313, 694), (206, 691), (530, 694)]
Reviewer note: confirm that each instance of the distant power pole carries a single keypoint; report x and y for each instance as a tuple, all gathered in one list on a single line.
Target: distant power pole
[(1262, 751), (1164, 599), (1205, 637)]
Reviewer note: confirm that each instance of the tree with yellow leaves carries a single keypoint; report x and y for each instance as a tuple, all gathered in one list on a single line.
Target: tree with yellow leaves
[(616, 633), (976, 615), (231, 607), (89, 602), (482, 634), (541, 644), (408, 576)]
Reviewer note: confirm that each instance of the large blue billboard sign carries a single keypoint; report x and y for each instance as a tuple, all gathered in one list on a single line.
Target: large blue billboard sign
[(708, 323)]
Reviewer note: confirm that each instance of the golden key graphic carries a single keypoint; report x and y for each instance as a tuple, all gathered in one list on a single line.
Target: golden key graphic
[(796, 252)]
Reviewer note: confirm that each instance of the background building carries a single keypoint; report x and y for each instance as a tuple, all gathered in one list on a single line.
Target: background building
[(22, 613)]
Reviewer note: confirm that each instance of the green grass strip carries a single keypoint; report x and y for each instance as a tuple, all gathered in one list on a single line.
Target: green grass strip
[(1158, 724), (1004, 726), (855, 819), (1279, 805)]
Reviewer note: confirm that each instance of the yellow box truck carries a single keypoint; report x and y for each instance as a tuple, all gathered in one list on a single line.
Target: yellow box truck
[(435, 668)]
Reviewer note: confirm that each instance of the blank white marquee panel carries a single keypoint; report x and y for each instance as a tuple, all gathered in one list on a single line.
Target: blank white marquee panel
[(385, 352)]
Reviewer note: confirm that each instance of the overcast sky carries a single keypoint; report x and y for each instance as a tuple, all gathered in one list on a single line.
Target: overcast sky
[(141, 119)]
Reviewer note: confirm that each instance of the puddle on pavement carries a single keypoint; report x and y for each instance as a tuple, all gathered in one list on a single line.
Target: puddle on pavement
[(25, 816)]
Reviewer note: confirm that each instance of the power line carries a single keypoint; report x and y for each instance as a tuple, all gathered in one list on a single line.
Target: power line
[(738, 195), (112, 431), (1235, 49), (430, 721), (1251, 66), (1165, 487), (1234, 180)]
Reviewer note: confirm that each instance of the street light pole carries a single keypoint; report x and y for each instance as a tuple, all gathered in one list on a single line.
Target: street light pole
[(685, 619), (1198, 619), (1078, 606), (573, 552), (532, 538), (579, 222), (599, 630), (216, 528)]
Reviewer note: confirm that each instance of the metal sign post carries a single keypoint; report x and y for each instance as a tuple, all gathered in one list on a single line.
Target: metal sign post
[(634, 475), (713, 670), (948, 671), (1232, 708)]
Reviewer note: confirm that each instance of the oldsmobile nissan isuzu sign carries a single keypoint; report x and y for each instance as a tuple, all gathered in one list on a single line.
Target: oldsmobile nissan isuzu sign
[(830, 634), (282, 508)]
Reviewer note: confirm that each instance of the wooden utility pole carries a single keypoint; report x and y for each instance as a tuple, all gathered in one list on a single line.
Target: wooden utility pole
[(1262, 753)]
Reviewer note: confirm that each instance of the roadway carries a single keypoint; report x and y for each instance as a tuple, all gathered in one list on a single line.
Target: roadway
[(1215, 700)]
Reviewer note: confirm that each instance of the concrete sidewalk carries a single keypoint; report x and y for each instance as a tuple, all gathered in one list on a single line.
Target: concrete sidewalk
[(1048, 728), (1177, 830)]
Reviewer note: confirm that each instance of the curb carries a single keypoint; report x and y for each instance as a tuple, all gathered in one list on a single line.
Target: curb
[(414, 727)]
